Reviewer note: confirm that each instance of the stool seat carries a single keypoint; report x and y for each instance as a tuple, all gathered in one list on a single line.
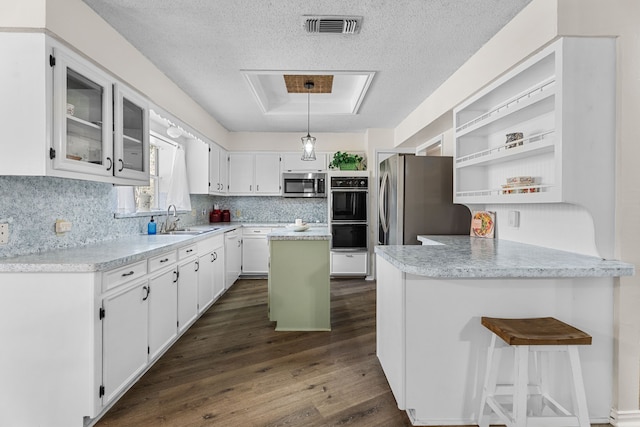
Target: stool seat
[(536, 331), (523, 402)]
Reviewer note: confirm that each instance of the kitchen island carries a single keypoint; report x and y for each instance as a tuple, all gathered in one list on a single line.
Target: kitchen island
[(299, 292), (430, 299)]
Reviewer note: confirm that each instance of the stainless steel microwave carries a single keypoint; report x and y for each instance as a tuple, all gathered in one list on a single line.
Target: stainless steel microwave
[(304, 184)]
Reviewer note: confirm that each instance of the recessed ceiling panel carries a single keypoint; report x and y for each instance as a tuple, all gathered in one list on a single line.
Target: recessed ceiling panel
[(334, 93)]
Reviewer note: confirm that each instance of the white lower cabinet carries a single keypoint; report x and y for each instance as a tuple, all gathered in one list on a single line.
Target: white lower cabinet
[(124, 337), (211, 271), (163, 311), (187, 292), (233, 257), (255, 250), (349, 263)]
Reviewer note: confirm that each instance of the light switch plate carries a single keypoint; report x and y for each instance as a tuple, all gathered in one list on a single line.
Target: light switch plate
[(4, 234), (514, 219)]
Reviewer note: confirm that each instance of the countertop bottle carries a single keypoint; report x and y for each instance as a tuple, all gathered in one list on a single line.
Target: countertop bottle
[(151, 227)]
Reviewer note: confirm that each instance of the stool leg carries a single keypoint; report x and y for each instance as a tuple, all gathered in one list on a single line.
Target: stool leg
[(521, 383), (579, 397), (490, 379)]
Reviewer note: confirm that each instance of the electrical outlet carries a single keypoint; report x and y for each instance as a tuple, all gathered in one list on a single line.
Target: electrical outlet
[(238, 213), (4, 234), (62, 226)]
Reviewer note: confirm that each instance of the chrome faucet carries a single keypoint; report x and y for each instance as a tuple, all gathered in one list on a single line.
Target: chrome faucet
[(171, 225)]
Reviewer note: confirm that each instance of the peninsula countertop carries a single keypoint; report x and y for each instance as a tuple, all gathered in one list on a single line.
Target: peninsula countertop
[(470, 257)]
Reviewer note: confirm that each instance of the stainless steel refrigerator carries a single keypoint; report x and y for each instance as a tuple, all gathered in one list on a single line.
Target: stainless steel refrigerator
[(416, 197)]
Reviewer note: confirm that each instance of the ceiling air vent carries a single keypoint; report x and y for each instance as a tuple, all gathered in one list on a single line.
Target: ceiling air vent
[(332, 24)]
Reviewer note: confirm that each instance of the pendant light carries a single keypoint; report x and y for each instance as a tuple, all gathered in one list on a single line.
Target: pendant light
[(308, 142)]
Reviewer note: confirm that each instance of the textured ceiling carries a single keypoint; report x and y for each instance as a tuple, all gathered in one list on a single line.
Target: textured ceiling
[(411, 45)]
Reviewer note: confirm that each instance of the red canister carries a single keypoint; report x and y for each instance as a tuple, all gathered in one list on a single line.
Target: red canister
[(215, 216), (226, 215)]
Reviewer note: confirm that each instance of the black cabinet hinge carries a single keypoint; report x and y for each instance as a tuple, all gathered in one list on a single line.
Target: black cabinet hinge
[(52, 153), (148, 350), (52, 61), (101, 391), (102, 313), (178, 324)]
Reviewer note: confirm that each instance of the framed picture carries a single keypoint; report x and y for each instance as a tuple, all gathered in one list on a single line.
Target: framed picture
[(483, 224)]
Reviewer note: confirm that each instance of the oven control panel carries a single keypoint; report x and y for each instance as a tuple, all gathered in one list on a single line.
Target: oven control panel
[(349, 182)]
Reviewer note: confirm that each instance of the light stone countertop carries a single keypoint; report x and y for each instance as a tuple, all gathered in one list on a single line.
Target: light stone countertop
[(313, 233), (103, 256), (468, 257), (110, 254)]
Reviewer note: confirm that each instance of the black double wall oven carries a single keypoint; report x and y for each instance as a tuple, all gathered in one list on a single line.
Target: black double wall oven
[(349, 203)]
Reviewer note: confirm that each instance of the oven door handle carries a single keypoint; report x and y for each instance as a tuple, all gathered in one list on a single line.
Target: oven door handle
[(382, 202)]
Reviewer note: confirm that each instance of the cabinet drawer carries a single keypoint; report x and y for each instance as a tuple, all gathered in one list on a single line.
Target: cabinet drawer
[(159, 261), (349, 263), (255, 231), (210, 244), (187, 251), (119, 276)]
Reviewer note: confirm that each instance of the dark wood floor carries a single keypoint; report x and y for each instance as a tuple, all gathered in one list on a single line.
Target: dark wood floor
[(232, 369)]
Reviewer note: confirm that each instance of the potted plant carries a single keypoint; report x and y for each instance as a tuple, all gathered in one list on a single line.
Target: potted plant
[(345, 161)]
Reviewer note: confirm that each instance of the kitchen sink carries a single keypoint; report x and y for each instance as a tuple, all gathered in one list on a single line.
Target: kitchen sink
[(190, 231)]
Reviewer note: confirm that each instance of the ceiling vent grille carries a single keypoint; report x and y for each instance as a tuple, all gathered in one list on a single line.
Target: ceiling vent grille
[(333, 24)]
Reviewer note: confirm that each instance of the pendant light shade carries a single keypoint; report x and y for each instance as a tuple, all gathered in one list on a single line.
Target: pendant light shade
[(308, 142)]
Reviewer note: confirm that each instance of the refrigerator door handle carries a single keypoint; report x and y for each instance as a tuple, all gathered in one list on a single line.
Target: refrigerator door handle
[(382, 199)]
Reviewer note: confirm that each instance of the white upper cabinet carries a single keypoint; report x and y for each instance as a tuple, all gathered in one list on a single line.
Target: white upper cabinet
[(63, 110), (131, 134), (218, 160), (241, 173), (82, 116), (560, 107), (206, 167), (254, 174), (292, 162), (267, 173)]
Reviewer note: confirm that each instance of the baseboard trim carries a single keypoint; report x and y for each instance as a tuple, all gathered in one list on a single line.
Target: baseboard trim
[(625, 418)]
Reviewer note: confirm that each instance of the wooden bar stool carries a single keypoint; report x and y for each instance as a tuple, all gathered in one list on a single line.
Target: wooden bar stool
[(535, 335)]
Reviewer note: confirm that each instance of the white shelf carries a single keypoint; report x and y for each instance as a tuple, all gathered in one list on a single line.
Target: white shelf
[(535, 144), (76, 120), (562, 100), (531, 96)]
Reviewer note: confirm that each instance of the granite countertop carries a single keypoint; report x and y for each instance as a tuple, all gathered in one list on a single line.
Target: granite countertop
[(110, 254), (313, 233), (468, 257)]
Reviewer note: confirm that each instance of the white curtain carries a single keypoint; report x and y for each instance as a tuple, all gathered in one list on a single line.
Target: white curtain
[(178, 193)]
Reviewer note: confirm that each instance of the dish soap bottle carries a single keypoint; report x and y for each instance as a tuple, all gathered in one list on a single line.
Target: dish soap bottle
[(151, 227)]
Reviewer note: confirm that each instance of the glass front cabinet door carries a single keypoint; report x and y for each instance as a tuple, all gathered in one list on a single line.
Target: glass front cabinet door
[(131, 135), (100, 126), (82, 117)]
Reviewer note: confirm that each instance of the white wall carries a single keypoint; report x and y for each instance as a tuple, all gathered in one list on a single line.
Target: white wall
[(531, 29)]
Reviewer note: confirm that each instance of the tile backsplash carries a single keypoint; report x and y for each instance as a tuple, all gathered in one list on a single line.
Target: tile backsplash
[(31, 206)]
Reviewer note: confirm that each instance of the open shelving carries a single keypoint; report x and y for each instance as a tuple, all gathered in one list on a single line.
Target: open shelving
[(562, 99)]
